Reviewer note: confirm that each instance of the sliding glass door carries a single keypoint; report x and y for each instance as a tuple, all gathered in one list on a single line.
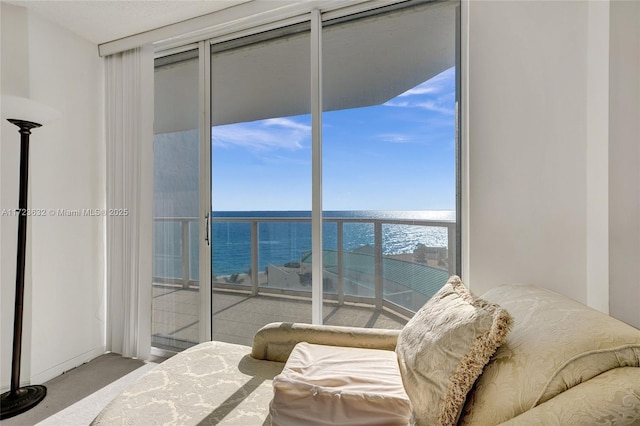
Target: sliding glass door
[(389, 159), (388, 171), (176, 286), (386, 227), (261, 182)]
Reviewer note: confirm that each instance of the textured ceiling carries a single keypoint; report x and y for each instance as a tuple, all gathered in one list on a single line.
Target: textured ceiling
[(102, 21)]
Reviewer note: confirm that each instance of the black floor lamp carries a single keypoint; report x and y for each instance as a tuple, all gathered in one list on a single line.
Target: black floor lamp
[(20, 399)]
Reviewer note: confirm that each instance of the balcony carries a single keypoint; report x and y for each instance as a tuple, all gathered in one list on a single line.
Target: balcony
[(377, 273)]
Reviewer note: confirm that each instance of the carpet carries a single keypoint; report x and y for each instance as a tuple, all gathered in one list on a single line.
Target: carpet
[(84, 411)]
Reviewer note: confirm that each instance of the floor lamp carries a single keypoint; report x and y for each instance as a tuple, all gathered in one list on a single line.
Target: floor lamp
[(16, 110)]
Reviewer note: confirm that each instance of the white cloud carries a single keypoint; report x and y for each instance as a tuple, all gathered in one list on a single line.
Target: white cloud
[(287, 123), (271, 134), (395, 138), (425, 88), (436, 107), (438, 84), (439, 105), (434, 95), (399, 104)]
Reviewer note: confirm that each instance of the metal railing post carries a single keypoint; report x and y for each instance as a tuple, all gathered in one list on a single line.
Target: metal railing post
[(451, 249), (184, 225), (254, 258), (340, 228), (377, 254)]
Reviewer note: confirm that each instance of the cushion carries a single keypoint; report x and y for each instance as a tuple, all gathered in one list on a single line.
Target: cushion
[(329, 385), (556, 343), (443, 349), (611, 398)]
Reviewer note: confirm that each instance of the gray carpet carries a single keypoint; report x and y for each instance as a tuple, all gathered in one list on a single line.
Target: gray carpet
[(76, 397)]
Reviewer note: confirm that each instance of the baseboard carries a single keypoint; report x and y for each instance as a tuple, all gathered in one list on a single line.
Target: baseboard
[(24, 381), (6, 386), (57, 370)]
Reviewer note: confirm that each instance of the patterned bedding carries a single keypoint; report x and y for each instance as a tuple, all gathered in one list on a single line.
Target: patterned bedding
[(211, 383)]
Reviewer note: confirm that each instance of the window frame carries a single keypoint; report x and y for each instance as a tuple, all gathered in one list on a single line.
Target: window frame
[(316, 20)]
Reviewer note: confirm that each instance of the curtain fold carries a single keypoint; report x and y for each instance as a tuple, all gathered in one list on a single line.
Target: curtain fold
[(129, 216)]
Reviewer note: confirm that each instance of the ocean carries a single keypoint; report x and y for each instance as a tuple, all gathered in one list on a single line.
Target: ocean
[(281, 241)]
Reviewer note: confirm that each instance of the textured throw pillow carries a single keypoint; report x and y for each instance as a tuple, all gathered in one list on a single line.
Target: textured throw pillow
[(443, 349)]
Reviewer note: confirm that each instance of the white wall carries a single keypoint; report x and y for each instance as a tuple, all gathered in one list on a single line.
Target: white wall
[(14, 60), (544, 117), (15, 81), (527, 131), (65, 315), (624, 160)]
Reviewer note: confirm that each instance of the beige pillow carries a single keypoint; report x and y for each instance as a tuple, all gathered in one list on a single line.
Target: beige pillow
[(443, 349)]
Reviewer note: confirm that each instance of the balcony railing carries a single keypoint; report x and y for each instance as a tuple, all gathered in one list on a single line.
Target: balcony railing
[(372, 273)]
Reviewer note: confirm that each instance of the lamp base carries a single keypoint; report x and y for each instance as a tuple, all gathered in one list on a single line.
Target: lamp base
[(23, 399)]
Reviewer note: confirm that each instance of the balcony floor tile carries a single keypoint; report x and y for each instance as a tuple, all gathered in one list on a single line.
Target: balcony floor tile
[(238, 316)]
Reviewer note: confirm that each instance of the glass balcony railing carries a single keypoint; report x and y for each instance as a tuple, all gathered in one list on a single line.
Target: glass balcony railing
[(175, 251), (396, 264)]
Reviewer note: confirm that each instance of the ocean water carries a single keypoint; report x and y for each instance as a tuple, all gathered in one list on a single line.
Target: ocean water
[(282, 241)]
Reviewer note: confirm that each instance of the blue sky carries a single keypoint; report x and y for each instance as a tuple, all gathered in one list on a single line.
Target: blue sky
[(396, 156)]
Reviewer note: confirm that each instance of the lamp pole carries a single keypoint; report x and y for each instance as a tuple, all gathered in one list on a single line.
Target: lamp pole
[(20, 399)]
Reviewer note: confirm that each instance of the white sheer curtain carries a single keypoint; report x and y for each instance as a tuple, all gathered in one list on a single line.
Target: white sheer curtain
[(129, 220)]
